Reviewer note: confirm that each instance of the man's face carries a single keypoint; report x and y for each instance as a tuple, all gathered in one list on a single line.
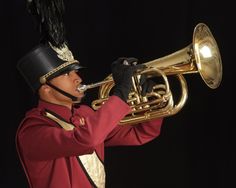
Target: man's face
[(69, 83)]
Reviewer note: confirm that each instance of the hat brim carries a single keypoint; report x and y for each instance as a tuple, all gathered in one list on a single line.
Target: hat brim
[(74, 66)]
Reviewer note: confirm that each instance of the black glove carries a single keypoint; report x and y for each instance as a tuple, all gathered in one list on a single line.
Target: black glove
[(146, 85), (122, 71)]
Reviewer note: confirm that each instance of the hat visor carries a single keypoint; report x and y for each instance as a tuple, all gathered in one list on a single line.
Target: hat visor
[(74, 66)]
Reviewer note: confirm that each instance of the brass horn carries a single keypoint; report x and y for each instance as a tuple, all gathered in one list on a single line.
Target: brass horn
[(201, 56)]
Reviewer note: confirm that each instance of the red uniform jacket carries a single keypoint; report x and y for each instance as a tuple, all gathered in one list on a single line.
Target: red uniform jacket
[(49, 153)]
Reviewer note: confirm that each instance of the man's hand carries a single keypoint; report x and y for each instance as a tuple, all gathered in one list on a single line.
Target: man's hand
[(146, 85), (122, 71)]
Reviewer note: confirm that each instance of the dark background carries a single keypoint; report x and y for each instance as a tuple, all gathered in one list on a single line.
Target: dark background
[(196, 146)]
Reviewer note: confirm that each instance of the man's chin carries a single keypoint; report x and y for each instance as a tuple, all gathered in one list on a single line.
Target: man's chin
[(79, 98)]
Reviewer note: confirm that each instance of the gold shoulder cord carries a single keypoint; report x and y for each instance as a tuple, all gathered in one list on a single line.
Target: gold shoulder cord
[(64, 125), (93, 166)]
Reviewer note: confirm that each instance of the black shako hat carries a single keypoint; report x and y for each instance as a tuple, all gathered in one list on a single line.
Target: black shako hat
[(45, 62)]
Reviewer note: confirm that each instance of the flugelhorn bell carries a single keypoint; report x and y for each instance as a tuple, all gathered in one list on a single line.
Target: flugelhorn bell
[(201, 56)]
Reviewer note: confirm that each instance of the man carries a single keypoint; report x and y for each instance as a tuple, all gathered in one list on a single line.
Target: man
[(60, 143)]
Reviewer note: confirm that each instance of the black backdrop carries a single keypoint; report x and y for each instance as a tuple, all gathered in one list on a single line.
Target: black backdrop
[(196, 146)]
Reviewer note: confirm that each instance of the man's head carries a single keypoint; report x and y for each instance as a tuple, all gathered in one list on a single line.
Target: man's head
[(44, 63), (62, 89)]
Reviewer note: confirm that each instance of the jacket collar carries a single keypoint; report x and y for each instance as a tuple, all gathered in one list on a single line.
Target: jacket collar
[(58, 110)]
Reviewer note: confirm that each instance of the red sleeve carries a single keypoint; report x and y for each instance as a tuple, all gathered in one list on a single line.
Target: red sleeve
[(40, 140), (134, 134)]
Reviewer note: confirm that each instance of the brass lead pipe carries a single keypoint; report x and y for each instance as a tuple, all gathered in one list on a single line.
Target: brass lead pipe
[(83, 87)]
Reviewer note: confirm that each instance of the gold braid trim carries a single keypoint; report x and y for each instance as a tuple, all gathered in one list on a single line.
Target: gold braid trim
[(43, 78)]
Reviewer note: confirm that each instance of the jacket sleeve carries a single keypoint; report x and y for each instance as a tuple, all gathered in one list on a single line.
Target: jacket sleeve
[(134, 134), (40, 140)]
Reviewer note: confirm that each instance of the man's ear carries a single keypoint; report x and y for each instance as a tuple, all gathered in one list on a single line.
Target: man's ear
[(45, 88)]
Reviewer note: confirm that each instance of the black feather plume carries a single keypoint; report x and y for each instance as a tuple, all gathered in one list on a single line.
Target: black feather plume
[(49, 18)]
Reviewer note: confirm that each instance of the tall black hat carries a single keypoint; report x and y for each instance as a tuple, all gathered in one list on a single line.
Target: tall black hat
[(45, 62), (51, 57)]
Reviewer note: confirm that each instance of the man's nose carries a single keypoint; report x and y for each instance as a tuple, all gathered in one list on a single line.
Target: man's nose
[(78, 79)]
